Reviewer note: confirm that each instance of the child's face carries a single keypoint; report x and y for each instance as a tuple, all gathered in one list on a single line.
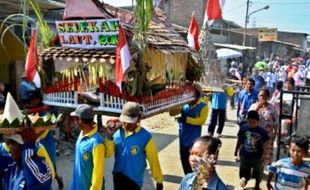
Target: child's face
[(195, 153), (253, 123), (289, 86), (297, 154)]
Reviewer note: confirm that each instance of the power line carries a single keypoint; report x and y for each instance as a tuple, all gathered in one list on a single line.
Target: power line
[(290, 3), (234, 9)]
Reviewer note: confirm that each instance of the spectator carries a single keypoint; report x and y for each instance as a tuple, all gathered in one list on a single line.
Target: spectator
[(219, 100), (133, 145), (287, 106), (28, 92), (234, 86), (90, 152), (23, 168), (251, 138), (193, 116), (276, 96), (268, 119), (292, 172), (246, 98), (208, 147), (258, 78)]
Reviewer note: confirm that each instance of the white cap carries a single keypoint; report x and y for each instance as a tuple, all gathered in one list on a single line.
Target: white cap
[(15, 137)]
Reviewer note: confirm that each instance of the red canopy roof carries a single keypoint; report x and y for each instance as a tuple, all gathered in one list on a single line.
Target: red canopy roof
[(84, 9)]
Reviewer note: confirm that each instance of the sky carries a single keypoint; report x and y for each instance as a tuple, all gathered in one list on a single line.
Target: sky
[(285, 15)]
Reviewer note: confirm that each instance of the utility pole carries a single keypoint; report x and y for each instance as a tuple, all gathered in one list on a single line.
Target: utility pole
[(246, 21)]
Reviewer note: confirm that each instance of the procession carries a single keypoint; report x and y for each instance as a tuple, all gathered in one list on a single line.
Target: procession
[(153, 94)]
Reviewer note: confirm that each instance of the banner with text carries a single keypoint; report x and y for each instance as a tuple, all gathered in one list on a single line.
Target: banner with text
[(88, 34), (270, 34)]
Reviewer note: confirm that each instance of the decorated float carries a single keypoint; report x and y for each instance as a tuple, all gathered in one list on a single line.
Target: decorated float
[(160, 67), (13, 119)]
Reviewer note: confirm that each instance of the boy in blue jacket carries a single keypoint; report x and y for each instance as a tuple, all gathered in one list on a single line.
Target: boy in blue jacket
[(22, 168)]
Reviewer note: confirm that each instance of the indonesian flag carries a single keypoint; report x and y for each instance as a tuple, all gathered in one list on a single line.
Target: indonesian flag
[(122, 57), (32, 61), (193, 33), (213, 10)]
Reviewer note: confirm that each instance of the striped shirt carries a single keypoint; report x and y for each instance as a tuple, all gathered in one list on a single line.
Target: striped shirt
[(290, 177)]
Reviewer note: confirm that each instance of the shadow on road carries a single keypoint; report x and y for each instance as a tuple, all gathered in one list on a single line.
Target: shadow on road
[(163, 140), (173, 179), (228, 137), (227, 163)]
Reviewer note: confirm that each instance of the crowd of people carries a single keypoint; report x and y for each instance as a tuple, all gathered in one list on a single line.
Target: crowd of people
[(28, 160), (258, 109)]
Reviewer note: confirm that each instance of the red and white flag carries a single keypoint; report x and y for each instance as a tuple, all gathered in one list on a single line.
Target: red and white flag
[(193, 33), (32, 61), (213, 10), (122, 57)]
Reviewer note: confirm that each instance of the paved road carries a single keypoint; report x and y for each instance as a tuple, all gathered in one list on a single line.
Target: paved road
[(165, 130)]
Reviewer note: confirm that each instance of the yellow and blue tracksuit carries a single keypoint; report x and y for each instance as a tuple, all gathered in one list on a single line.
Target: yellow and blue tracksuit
[(88, 172), (190, 124), (40, 150), (4, 149), (48, 141), (131, 152), (192, 118), (33, 173)]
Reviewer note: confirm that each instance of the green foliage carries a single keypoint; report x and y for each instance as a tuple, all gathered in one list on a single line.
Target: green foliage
[(143, 14), (49, 119), (44, 33), (6, 124)]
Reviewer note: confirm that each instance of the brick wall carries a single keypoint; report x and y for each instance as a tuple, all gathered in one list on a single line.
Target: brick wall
[(180, 11)]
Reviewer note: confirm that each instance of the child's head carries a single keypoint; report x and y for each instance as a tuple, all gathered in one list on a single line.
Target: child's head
[(203, 144), (290, 83), (253, 119), (298, 149), (279, 85)]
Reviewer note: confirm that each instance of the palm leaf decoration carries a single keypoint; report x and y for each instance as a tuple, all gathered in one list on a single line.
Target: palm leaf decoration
[(143, 14), (44, 31)]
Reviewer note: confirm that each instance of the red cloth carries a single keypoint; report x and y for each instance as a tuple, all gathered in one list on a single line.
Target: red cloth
[(122, 57), (39, 109), (193, 33), (213, 10), (32, 61)]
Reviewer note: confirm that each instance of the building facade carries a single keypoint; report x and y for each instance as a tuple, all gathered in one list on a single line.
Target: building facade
[(180, 11)]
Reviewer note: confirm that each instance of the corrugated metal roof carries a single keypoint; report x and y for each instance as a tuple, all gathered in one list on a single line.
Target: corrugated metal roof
[(162, 35), (9, 7), (234, 46)]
